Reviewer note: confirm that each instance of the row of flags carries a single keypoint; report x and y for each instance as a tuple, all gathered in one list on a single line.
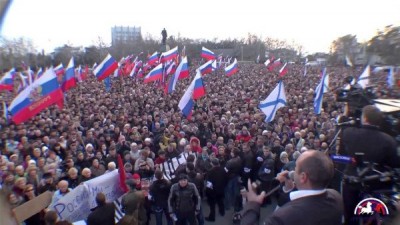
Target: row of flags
[(43, 89), (277, 97), (165, 64), (273, 63)]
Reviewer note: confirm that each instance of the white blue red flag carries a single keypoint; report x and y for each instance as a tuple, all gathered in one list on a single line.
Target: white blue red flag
[(169, 55), (153, 59), (199, 90), (206, 68), (170, 87), (231, 69), (186, 103), (155, 74), (69, 77), (41, 94), (207, 54), (183, 69), (59, 70), (105, 68), (171, 68), (273, 102), (7, 81)]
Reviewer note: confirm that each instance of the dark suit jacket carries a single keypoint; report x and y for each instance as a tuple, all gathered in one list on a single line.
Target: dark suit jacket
[(218, 177), (102, 215), (326, 209)]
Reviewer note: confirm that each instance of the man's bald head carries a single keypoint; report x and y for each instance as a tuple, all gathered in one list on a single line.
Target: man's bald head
[(317, 168), (63, 186)]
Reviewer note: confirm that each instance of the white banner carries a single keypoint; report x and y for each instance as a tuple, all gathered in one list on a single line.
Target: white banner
[(169, 166), (76, 205)]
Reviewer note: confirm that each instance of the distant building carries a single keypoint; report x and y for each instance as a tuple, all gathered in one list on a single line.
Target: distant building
[(120, 34)]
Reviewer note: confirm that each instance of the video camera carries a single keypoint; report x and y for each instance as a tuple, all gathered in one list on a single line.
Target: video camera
[(374, 181), (356, 98)]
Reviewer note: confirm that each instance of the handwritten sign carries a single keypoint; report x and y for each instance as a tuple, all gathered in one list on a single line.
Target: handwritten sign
[(76, 205)]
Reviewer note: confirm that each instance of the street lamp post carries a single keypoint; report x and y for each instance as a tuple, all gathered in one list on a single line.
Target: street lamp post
[(242, 52)]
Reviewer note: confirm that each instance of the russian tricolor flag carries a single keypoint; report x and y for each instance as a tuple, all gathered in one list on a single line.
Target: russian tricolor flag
[(171, 68), (59, 70), (155, 74), (169, 55), (7, 81), (207, 54), (206, 68), (69, 78), (170, 87), (105, 68), (153, 59), (231, 69), (183, 69), (42, 93), (39, 73), (199, 90), (186, 103)]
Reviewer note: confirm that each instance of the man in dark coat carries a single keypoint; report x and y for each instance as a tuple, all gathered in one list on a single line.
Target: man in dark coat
[(133, 203), (217, 180), (103, 214), (159, 192), (184, 201), (312, 204)]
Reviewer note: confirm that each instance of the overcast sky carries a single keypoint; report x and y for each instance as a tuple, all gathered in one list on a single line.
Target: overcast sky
[(311, 23)]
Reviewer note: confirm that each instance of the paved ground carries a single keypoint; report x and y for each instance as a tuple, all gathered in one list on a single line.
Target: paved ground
[(227, 219), (5, 213)]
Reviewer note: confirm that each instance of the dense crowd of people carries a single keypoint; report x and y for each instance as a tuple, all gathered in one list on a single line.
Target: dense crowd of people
[(60, 148)]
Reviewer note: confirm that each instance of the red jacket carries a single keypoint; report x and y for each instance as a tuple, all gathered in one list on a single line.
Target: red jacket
[(243, 138)]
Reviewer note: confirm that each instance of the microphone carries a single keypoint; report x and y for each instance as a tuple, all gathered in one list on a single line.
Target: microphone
[(342, 159), (350, 122), (290, 176)]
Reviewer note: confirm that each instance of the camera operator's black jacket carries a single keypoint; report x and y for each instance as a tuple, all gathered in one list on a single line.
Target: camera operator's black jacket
[(377, 146)]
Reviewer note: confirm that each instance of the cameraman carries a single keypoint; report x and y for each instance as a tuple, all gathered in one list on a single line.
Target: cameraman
[(377, 146)]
